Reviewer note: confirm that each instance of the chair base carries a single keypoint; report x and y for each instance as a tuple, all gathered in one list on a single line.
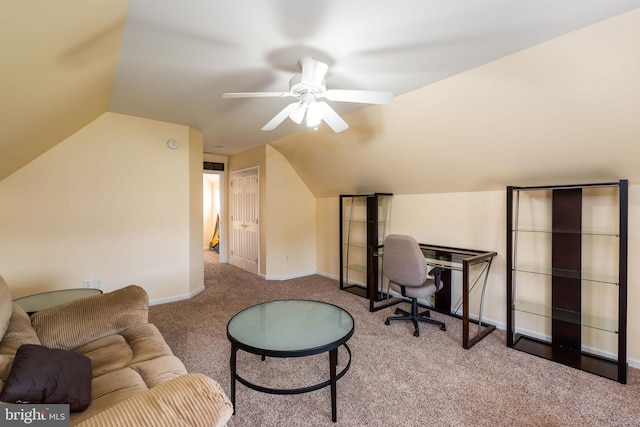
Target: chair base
[(415, 317)]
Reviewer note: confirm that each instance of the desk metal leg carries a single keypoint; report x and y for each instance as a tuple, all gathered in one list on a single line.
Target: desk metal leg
[(232, 363), (333, 361), (465, 304), (467, 341)]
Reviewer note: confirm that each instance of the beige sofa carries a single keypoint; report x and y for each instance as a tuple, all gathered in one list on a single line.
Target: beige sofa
[(115, 368)]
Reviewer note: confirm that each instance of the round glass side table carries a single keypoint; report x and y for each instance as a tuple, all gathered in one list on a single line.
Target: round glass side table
[(42, 300), (291, 328)]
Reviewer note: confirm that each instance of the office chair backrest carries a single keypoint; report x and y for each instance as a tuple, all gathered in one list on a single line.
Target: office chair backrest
[(403, 261)]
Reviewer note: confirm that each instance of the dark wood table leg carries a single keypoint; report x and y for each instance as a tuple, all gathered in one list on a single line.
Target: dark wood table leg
[(232, 364), (333, 361)]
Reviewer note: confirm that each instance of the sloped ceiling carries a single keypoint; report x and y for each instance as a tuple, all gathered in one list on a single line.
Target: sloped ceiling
[(57, 64), (66, 62), (563, 112), (179, 57)]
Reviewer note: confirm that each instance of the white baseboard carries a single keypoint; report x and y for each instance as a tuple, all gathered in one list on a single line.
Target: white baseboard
[(292, 276), (177, 298), (327, 275)]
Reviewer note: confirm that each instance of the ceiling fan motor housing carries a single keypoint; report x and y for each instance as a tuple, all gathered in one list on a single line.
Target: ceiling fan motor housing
[(299, 89)]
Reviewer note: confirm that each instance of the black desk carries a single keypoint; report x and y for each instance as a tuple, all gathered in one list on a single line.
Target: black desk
[(458, 259)]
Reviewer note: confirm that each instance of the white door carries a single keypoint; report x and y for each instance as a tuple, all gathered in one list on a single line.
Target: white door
[(245, 210)]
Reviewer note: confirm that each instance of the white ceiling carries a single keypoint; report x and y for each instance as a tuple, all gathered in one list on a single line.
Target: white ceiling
[(179, 57)]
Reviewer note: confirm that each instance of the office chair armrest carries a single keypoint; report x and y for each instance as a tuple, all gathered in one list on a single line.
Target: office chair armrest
[(435, 272)]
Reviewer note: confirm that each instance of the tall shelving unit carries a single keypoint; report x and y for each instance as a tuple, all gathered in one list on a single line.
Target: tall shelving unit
[(567, 275), (364, 223)]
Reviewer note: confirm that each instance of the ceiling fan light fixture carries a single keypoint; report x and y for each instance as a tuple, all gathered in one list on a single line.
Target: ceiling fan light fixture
[(314, 115), (308, 87)]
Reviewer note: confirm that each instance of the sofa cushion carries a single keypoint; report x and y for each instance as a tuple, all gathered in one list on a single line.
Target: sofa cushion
[(134, 345), (110, 389), (115, 386), (47, 375), (19, 331), (66, 325), (5, 307), (107, 354)]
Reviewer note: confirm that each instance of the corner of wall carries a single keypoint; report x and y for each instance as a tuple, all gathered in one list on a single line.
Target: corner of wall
[(196, 259)]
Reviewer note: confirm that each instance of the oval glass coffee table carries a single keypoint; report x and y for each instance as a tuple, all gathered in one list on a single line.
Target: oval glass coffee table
[(291, 328)]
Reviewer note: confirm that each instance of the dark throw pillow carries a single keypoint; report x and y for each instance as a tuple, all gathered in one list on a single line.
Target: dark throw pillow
[(41, 374)]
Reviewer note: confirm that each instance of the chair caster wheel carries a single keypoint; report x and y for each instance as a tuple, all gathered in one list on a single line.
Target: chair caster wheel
[(397, 311), (386, 322), (416, 334), (443, 328)]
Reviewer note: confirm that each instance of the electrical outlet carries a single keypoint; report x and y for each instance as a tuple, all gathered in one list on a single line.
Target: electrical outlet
[(97, 283), (286, 258), (87, 283)]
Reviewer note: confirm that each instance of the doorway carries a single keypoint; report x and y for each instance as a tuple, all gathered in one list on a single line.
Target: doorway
[(213, 214), (244, 214)]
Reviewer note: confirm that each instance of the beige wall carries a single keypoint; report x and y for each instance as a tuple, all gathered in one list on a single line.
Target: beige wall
[(328, 236), (111, 202), (290, 218), (287, 215)]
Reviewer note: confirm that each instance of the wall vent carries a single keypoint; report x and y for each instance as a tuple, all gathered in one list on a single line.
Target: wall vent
[(213, 166)]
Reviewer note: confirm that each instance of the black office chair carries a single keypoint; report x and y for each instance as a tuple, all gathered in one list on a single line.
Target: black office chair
[(404, 264)]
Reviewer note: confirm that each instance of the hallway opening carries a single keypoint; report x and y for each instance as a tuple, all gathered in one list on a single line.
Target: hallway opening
[(213, 230)]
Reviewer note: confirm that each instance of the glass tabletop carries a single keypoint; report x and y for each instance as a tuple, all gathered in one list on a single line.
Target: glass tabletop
[(290, 327), (37, 302), (448, 257)]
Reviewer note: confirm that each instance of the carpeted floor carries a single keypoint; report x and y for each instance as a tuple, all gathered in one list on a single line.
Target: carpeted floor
[(395, 378)]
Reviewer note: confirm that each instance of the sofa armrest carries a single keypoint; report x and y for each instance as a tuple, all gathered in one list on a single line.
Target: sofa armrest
[(18, 332), (76, 323), (190, 400)]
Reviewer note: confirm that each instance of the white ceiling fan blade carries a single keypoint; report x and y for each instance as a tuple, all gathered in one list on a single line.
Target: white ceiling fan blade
[(313, 71), (363, 96), (280, 117), (298, 114), (331, 118), (256, 95)]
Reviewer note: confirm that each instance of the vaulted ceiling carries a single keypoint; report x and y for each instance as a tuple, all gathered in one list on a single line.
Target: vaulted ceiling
[(64, 63)]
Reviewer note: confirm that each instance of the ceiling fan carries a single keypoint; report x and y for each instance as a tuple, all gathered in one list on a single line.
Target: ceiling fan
[(308, 87)]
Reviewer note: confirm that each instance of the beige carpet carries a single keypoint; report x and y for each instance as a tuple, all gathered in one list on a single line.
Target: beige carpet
[(395, 378)]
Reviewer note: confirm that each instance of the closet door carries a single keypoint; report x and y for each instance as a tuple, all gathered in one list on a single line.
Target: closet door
[(245, 211)]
